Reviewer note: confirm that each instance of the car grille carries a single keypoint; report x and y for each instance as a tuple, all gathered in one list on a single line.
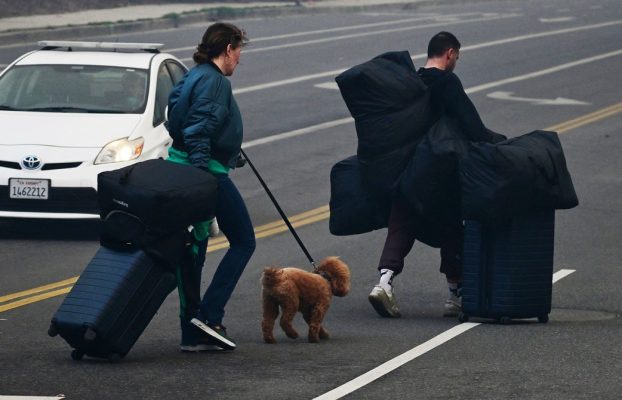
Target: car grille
[(61, 200), (9, 164), (45, 167)]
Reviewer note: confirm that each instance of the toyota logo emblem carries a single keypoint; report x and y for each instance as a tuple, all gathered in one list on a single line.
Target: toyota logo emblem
[(31, 162)]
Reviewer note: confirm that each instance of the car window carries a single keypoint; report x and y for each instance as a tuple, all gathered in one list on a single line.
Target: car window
[(74, 88), (163, 89), (176, 71)]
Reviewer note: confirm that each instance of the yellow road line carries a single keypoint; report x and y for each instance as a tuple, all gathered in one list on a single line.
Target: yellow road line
[(40, 289), (587, 119), (275, 227), (272, 228), (34, 299)]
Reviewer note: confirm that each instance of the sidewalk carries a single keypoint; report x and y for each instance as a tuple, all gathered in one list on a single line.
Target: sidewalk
[(27, 29)]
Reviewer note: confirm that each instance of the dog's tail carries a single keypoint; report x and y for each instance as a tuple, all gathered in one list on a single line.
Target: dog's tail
[(271, 276)]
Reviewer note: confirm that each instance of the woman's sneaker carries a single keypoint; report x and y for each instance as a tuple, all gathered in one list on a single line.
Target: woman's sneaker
[(205, 343), (217, 334)]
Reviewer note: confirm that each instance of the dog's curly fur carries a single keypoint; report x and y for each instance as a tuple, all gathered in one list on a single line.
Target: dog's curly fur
[(294, 289)]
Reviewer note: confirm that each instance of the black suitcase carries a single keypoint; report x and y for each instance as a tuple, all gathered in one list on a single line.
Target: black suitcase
[(508, 268), (111, 304)]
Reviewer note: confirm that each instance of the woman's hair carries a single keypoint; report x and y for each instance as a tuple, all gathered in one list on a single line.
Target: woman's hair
[(216, 39)]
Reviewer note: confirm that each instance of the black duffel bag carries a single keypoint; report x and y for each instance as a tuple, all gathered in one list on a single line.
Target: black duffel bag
[(515, 176), (123, 231), (165, 196), (353, 209)]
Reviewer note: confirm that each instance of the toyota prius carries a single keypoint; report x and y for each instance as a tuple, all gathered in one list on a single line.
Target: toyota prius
[(71, 110)]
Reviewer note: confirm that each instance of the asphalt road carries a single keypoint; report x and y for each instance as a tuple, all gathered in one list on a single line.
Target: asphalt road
[(564, 49)]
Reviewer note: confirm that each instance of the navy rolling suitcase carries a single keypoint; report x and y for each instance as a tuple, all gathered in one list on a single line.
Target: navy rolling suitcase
[(508, 268), (112, 303)]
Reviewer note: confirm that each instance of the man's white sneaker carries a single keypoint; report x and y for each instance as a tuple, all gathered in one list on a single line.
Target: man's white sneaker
[(452, 307), (384, 302)]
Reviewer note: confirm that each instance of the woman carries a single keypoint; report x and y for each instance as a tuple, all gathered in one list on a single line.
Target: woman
[(206, 126)]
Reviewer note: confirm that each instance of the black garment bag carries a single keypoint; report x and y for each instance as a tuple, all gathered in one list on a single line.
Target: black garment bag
[(515, 176)]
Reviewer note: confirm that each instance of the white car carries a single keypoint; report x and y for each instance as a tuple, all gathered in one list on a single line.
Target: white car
[(71, 110)]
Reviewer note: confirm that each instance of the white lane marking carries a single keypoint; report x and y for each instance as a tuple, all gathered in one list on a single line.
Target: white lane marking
[(372, 33), (474, 89), (410, 355), (328, 85), (297, 132), (379, 32), (57, 397), (330, 30), (553, 20), (396, 362), (559, 101), (545, 71), (562, 273), (336, 72)]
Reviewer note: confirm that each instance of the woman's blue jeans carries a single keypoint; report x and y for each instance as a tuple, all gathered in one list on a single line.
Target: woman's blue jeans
[(236, 225)]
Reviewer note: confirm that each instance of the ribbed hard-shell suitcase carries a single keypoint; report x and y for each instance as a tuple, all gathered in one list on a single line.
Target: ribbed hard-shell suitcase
[(112, 303), (508, 268)]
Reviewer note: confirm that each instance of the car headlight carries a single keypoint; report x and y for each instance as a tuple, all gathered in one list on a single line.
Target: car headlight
[(120, 150)]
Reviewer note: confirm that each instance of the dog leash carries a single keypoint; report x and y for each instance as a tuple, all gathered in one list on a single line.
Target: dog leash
[(278, 208)]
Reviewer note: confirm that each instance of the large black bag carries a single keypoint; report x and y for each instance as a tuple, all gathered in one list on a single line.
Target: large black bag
[(390, 106), (430, 182), (112, 303), (353, 209), (515, 176), (165, 196)]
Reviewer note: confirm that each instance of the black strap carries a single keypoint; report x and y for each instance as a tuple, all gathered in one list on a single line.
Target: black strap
[(278, 208)]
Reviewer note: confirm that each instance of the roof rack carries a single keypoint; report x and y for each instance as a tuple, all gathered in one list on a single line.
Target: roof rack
[(55, 44)]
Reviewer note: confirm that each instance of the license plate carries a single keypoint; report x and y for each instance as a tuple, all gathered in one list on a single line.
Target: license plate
[(20, 188)]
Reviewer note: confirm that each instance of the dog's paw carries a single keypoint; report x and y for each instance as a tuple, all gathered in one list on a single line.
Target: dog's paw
[(269, 339), (314, 339), (292, 334)]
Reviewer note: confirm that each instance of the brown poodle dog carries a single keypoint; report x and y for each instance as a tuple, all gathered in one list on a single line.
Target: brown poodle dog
[(308, 292)]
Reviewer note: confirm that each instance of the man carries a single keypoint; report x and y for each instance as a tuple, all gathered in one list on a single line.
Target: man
[(447, 97)]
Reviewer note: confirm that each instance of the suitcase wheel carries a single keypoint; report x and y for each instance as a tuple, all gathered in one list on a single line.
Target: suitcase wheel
[(543, 319), (52, 331), (505, 320), (77, 355), (462, 317), (114, 357)]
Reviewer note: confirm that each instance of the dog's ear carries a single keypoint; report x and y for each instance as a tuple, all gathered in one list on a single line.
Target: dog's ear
[(340, 288), (340, 277)]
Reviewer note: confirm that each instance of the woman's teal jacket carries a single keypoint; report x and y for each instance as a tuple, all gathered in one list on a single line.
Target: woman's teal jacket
[(204, 119)]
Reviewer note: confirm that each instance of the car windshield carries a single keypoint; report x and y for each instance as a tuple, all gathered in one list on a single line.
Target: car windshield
[(73, 89)]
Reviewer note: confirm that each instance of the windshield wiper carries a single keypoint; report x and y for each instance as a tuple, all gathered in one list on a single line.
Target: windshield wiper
[(9, 108), (60, 109)]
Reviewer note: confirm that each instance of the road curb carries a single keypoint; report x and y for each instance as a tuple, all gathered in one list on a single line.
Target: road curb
[(29, 36)]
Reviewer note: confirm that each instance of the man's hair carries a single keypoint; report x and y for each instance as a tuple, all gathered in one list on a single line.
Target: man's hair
[(441, 42)]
